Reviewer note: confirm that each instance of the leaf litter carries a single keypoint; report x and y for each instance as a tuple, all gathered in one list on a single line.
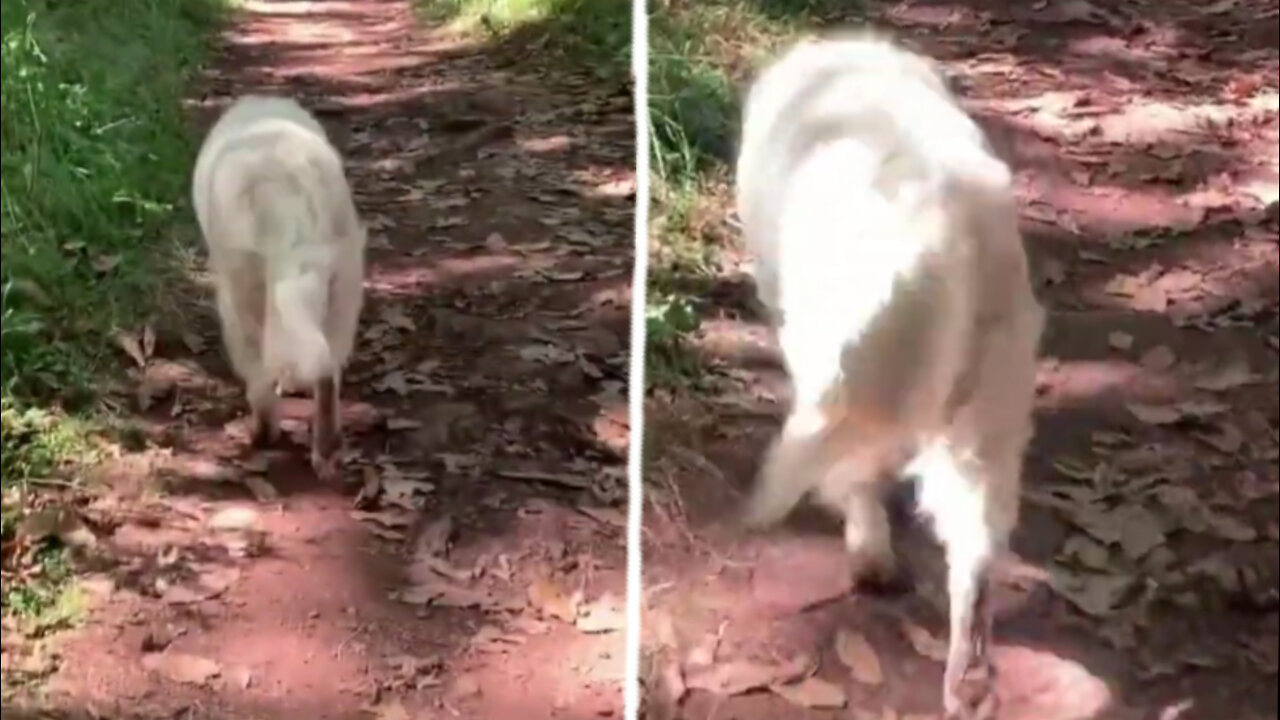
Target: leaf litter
[(857, 653)]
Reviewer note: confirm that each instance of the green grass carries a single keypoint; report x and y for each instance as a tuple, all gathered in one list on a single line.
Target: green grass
[(591, 34), (96, 160), (702, 55)]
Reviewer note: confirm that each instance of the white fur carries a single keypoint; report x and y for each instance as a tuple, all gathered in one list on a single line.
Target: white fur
[(885, 235), (286, 246)]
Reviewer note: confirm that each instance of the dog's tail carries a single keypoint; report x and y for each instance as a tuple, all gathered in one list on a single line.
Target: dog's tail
[(299, 266)]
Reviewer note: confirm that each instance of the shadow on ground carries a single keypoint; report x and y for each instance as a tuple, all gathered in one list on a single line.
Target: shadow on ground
[(473, 561), (1147, 181)]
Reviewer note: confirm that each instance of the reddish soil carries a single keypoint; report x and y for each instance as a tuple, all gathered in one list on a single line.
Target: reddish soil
[(466, 567), (1144, 136)]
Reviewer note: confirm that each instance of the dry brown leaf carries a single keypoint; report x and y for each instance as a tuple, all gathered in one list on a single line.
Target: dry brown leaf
[(443, 593), (1226, 438), (923, 641), (704, 653), (856, 652), (549, 600), (1087, 552), (607, 614), (605, 516), (1093, 594), (546, 354), (262, 490), (389, 710), (1155, 414), (1228, 376), (235, 518), (496, 243), (434, 538), (194, 342), (1140, 531), (1053, 272), (131, 343), (1231, 528), (739, 677), (387, 519), (1158, 359), (182, 668), (104, 264), (1119, 340), (814, 693), (206, 585), (467, 686), (394, 381), (403, 489), (57, 522)]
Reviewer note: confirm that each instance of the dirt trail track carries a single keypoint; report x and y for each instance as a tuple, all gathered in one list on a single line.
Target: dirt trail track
[(467, 567), (1144, 139)]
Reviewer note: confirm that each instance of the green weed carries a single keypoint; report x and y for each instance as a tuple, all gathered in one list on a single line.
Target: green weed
[(96, 161)]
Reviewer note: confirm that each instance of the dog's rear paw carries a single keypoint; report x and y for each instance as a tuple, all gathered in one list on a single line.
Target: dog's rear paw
[(264, 431), (327, 468)]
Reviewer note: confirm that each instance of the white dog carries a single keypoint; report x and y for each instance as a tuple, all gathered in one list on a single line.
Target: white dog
[(885, 234), (286, 247)]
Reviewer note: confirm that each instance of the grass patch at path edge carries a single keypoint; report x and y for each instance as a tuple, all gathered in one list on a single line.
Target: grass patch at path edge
[(96, 160), (702, 54), (591, 34)]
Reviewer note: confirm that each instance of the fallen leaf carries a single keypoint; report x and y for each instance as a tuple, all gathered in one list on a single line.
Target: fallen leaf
[(395, 316), (262, 490), (546, 354), (605, 516), (704, 653), (812, 692), (389, 710), (104, 264), (1104, 525), (132, 346), (402, 490), (495, 242), (1120, 340), (387, 519), (1155, 414), (1221, 7), (464, 687), (182, 668), (394, 381), (549, 600), (440, 592), (1231, 528), (235, 518), (1140, 531), (738, 677), (1228, 376), (606, 614), (433, 539), (856, 652), (1226, 438), (1053, 272), (204, 586), (1087, 552), (1093, 594), (1158, 359), (923, 642), (194, 342), (57, 522)]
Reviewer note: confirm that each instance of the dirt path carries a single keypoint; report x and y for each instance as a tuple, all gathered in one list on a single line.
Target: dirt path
[(474, 565), (1144, 136)]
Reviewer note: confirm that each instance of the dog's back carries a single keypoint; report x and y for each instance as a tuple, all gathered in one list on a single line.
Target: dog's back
[(865, 194), (883, 227), (278, 218)]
